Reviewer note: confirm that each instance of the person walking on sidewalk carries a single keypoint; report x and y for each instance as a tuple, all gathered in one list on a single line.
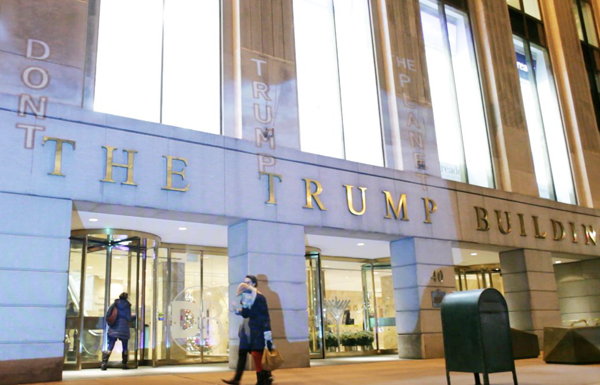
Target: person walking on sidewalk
[(254, 331), (119, 330)]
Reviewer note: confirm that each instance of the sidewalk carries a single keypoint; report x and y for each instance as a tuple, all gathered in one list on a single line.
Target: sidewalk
[(384, 370)]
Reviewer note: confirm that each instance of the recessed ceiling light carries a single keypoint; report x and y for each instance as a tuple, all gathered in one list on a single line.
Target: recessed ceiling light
[(90, 267), (558, 262), (473, 253), (183, 228), (376, 273), (360, 244), (93, 219), (326, 266)]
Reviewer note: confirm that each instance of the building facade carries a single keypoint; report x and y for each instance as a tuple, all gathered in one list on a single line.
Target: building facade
[(362, 158)]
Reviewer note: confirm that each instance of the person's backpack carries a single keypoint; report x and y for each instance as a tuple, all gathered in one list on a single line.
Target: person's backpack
[(112, 318)]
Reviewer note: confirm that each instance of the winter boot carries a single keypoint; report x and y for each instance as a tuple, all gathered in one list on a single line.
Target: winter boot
[(260, 378), (268, 377), (105, 357), (125, 356), (239, 369)]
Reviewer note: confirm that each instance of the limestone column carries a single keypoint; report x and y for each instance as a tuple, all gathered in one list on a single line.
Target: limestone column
[(419, 268), (411, 143), (506, 115), (530, 290), (274, 253), (34, 260), (259, 73), (575, 98)]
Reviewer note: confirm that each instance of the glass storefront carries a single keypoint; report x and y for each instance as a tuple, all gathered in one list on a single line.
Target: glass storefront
[(180, 296), (178, 292), (350, 307)]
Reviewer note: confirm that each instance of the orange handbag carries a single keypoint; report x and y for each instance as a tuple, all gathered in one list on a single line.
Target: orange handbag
[(271, 359)]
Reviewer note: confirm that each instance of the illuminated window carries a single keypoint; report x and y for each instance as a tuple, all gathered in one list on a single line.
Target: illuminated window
[(461, 130), (531, 7), (586, 27), (337, 84), (160, 62), (542, 110)]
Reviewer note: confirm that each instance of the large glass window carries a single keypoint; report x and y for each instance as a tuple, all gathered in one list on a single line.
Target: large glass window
[(160, 62), (337, 85), (547, 139), (531, 7), (586, 27), (461, 131)]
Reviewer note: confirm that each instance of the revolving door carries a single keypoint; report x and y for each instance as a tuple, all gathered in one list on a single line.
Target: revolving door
[(103, 264)]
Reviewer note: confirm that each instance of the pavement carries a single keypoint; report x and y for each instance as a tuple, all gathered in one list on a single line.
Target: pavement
[(378, 370)]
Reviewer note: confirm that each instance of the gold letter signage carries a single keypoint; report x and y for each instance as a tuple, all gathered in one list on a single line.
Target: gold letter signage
[(170, 173), (313, 195), (109, 166), (350, 199), (389, 202), (58, 153), (559, 231)]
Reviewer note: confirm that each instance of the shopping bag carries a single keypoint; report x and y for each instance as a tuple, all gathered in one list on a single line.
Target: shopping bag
[(271, 358)]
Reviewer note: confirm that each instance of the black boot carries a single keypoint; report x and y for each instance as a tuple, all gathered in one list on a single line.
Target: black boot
[(260, 378), (239, 369), (125, 356), (268, 377), (105, 357)]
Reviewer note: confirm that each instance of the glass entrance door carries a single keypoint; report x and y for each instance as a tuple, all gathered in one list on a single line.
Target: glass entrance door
[(192, 306), (315, 320), (479, 277), (380, 313), (350, 307), (102, 266)]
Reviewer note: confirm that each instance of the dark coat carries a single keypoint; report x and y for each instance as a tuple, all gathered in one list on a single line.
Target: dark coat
[(120, 329), (256, 322)]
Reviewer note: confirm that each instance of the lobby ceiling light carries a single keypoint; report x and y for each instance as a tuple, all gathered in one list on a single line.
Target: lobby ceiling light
[(558, 262), (473, 253), (360, 244), (93, 219), (183, 228)]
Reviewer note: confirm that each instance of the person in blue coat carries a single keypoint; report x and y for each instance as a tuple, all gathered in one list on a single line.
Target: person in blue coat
[(254, 331), (119, 330)]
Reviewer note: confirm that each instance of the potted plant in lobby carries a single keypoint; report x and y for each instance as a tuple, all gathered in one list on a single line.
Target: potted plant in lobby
[(365, 339), (331, 342), (349, 341)]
